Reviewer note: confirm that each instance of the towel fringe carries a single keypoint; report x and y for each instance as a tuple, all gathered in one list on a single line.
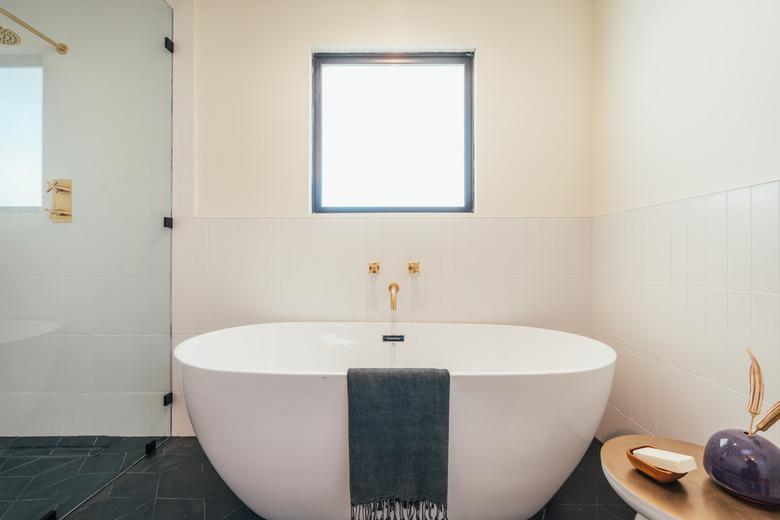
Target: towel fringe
[(397, 509)]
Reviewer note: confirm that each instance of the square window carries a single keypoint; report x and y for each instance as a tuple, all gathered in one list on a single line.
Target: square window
[(21, 132), (393, 132)]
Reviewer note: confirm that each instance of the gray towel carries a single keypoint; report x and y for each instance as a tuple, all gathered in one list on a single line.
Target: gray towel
[(398, 443)]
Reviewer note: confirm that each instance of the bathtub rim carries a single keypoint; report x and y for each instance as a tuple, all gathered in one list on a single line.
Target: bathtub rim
[(595, 342)]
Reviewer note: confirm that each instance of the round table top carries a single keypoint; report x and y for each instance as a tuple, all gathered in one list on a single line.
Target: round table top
[(695, 496)]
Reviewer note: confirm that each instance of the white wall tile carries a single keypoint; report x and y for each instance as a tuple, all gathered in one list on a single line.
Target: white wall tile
[(85, 303), (765, 335), (739, 236), (138, 305), (128, 363), (717, 245), (567, 303), (615, 423), (679, 241), (196, 304), (180, 420), (682, 344), (247, 300), (567, 246), (765, 237), (462, 299), (717, 334), (739, 337), (403, 241), (24, 413), (697, 242), (463, 247), (191, 251)]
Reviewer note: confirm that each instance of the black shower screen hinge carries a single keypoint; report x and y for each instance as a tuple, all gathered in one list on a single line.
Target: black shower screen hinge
[(168, 399), (168, 222), (169, 44), (150, 448), (51, 515)]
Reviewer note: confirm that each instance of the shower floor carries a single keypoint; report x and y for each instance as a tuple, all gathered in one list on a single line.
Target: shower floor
[(41, 475), (178, 483)]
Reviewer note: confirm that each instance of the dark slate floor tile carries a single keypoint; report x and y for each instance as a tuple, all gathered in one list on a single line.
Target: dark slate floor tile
[(34, 442), (178, 509), (105, 463), (187, 481), (570, 512), (207, 467), (607, 495), (71, 487), (134, 445), (594, 450), (134, 485), (74, 452), (15, 462), (77, 442), (580, 488), (72, 492), (160, 463), (108, 508), (52, 477), (39, 466), (187, 486), (538, 516), (20, 451), (614, 512), (243, 513), (591, 465), (4, 507), (145, 512), (12, 487), (182, 445), (30, 509), (5, 441)]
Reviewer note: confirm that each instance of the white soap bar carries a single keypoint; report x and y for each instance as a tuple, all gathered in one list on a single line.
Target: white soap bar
[(668, 460)]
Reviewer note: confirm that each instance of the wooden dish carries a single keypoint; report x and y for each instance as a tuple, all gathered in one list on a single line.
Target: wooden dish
[(657, 474)]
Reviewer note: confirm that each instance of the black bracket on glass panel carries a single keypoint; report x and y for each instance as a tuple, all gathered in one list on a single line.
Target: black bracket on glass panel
[(168, 399), (150, 448), (168, 222), (169, 44)]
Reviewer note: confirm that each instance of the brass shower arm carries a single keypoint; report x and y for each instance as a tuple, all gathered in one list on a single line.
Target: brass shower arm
[(61, 47)]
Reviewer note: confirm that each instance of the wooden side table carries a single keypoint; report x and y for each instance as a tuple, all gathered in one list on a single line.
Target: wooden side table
[(694, 497)]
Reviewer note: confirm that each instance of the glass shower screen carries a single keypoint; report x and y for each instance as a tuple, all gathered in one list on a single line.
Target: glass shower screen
[(85, 304)]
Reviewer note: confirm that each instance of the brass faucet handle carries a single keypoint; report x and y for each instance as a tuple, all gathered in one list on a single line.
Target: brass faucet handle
[(59, 212), (373, 267), (56, 187), (414, 268)]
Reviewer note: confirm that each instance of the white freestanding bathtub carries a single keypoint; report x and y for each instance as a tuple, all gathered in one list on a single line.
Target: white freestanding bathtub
[(269, 405)]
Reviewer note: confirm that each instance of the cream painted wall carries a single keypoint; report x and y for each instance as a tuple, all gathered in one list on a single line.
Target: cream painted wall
[(533, 96), (687, 99)]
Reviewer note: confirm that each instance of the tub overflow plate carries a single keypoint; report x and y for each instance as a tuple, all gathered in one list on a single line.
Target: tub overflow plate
[(393, 338)]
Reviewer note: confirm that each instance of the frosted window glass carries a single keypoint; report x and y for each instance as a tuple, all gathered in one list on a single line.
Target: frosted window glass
[(21, 136), (393, 136)]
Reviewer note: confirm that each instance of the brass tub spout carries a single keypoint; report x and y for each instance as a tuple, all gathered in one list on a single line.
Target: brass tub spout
[(393, 288)]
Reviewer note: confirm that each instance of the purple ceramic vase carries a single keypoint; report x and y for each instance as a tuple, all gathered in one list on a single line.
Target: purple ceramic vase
[(747, 466)]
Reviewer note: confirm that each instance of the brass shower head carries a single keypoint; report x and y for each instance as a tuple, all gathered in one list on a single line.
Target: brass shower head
[(8, 37)]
